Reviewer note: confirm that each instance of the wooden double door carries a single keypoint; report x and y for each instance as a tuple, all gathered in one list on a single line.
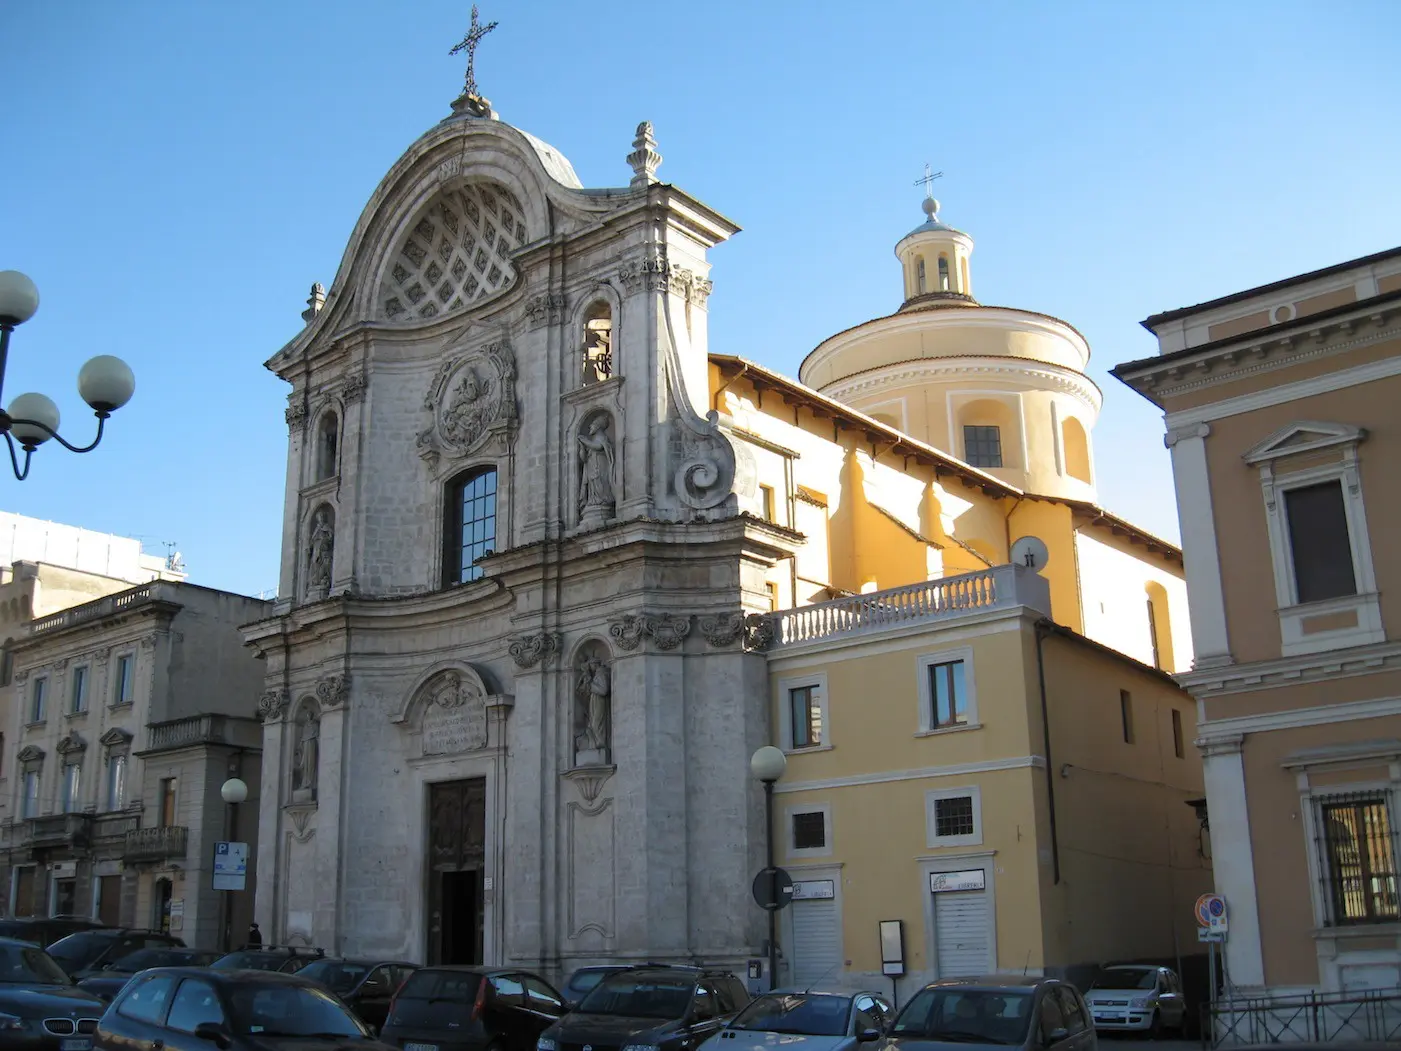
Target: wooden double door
[(456, 865)]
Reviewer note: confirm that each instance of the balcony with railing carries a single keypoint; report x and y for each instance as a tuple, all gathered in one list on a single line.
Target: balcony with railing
[(54, 830), (204, 729), (160, 843), (998, 588), (156, 591)]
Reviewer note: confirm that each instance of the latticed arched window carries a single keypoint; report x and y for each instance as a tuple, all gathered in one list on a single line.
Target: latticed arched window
[(470, 529)]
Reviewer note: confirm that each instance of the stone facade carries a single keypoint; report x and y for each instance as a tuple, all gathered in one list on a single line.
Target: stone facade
[(490, 315)]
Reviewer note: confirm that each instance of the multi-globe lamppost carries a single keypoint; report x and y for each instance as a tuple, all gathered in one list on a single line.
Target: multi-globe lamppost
[(105, 382)]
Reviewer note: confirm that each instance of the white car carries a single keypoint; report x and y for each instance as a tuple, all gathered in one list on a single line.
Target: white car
[(1137, 998)]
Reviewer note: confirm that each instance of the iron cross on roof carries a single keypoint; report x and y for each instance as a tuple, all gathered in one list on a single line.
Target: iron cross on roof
[(469, 45), (928, 181)]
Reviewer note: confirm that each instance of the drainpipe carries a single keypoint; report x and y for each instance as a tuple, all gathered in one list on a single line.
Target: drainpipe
[(1007, 527), (1042, 630)]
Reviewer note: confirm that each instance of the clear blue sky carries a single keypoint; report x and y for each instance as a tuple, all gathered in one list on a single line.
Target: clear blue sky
[(175, 175)]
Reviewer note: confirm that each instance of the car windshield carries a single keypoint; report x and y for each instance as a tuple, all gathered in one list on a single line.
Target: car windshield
[(967, 1016), (29, 965), (639, 997), (76, 950), (459, 986), (1126, 978), (143, 958), (336, 975), (273, 1009), (249, 961), (583, 981), (802, 1014)]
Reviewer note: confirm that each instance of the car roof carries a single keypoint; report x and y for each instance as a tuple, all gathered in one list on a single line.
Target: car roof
[(233, 975), (366, 961), (603, 967), (21, 943), (994, 981), (818, 991), (463, 968)]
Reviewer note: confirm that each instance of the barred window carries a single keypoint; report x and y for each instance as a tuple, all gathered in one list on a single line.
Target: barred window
[(1358, 846), (982, 446), (953, 816), (810, 830)]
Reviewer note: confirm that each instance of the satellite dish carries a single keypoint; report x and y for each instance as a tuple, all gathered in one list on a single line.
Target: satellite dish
[(1030, 551)]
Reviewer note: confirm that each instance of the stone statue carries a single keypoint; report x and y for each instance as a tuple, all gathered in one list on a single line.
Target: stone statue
[(304, 754), (322, 545), (466, 416), (596, 496), (593, 688)]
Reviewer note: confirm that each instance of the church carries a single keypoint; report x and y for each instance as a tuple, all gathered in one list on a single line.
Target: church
[(546, 553)]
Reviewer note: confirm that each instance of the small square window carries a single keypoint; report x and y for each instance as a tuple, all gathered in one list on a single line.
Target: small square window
[(982, 446), (810, 830), (953, 816)]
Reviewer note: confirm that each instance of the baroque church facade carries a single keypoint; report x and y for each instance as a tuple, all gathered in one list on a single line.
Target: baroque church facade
[(537, 539)]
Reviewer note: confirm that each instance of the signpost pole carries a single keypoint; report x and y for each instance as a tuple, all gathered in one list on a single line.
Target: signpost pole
[(773, 884)]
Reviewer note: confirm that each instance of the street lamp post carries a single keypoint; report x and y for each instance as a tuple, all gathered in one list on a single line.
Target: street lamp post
[(767, 765), (234, 791), (105, 382)]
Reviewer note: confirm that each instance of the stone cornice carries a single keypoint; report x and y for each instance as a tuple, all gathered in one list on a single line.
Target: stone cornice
[(1206, 683), (1267, 349), (1045, 374)]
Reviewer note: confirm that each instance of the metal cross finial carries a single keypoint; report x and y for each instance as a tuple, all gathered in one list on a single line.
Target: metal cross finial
[(928, 181), (469, 45)]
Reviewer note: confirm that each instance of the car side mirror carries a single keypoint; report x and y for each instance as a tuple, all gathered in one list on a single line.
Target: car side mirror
[(1057, 1035), (867, 1036), (215, 1033)]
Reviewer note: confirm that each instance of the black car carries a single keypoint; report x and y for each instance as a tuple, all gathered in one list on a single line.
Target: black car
[(45, 930), (108, 981), (88, 950), (39, 1006), (471, 1008), (287, 959), (582, 981), (201, 1009), (1028, 1012), (367, 987), (669, 1008)]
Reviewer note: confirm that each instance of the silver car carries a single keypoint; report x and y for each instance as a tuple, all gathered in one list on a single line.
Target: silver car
[(1138, 998), (1025, 1011), (805, 1021)]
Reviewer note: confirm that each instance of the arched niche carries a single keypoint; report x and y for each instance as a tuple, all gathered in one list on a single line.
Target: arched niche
[(591, 704), (326, 455), (1076, 445), (596, 342), (305, 767), (989, 433), (319, 557), (596, 482), (449, 709)]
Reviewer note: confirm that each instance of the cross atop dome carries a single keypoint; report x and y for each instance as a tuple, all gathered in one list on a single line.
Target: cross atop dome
[(471, 99)]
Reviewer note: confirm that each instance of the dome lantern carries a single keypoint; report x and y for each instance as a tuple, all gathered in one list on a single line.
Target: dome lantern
[(934, 260)]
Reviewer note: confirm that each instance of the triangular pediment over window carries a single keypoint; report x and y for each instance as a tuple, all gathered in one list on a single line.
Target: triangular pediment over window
[(30, 754), (115, 737), (72, 743), (1304, 436)]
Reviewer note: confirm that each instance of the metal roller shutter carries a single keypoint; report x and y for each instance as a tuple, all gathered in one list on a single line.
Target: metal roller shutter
[(817, 942), (961, 933)]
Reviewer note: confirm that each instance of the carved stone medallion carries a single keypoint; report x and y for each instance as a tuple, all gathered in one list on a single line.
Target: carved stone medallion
[(454, 716), (529, 650), (272, 705), (722, 629), (470, 396)]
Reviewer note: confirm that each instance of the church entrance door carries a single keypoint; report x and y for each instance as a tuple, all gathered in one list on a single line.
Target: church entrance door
[(456, 859)]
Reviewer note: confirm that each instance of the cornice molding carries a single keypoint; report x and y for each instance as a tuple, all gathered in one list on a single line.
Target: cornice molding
[(1207, 683), (1046, 374)]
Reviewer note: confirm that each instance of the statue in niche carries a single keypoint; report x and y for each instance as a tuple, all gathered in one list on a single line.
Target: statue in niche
[(596, 494), (593, 687), (305, 752), (465, 418), (322, 547)]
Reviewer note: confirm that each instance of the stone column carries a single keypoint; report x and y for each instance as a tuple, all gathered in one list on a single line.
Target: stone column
[(1200, 555), (332, 694), (269, 905), (1232, 857)]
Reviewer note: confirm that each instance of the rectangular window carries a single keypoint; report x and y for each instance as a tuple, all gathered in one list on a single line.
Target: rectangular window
[(810, 830), (953, 816), (169, 786), (121, 691), (471, 532), (807, 716), (1153, 635), (1177, 745), (29, 803), (80, 689), (772, 589), (116, 782), (38, 699), (1359, 854), (1126, 714), (1319, 543), (982, 446), (766, 498), (72, 780), (948, 695)]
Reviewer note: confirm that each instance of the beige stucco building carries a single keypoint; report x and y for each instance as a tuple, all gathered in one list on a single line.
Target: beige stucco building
[(1280, 404), (125, 710)]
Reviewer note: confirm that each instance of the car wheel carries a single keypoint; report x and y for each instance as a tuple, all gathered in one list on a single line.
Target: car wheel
[(1155, 1028)]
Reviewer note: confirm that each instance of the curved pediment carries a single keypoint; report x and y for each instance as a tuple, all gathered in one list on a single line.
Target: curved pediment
[(447, 684)]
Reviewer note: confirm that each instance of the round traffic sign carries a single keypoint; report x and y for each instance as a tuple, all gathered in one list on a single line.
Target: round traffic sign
[(1209, 910), (773, 889)]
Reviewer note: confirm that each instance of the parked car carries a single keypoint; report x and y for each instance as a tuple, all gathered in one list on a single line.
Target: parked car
[(1138, 997), (805, 1020), (288, 959), (189, 1009), (45, 930), (109, 980), (470, 1009), (582, 981), (667, 1008), (367, 987), (89, 950), (40, 1009), (997, 1011)]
